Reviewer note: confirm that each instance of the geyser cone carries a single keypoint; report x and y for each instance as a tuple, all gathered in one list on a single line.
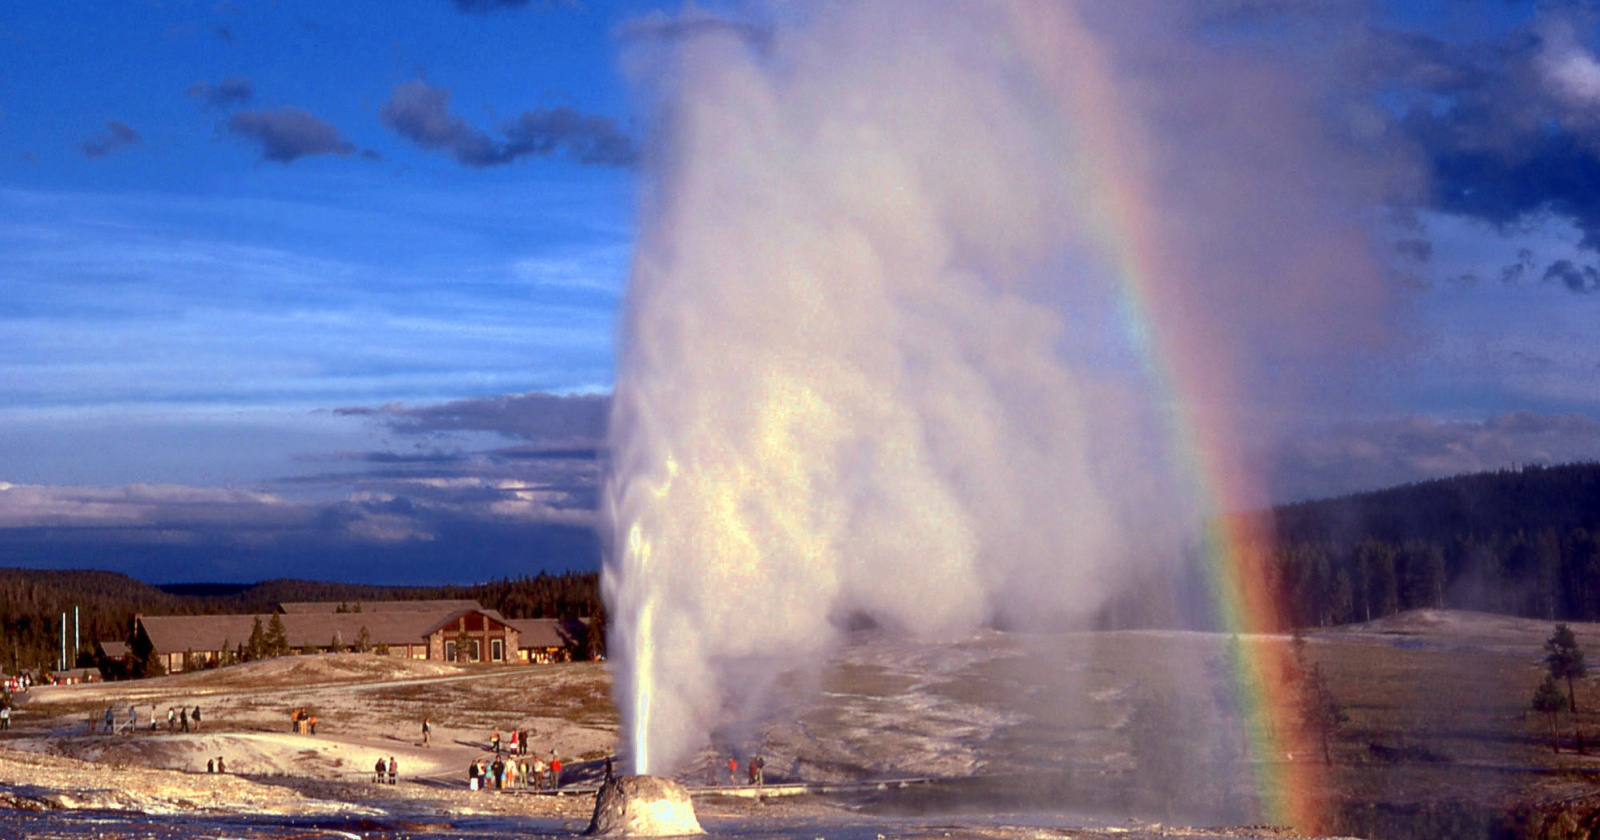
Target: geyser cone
[(643, 806)]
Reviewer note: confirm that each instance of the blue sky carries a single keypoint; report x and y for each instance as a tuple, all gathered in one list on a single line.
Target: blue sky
[(307, 257)]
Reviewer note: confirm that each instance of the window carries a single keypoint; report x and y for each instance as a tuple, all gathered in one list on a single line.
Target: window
[(476, 650), (497, 650)]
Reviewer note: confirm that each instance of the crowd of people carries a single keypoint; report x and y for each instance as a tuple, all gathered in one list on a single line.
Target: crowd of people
[(179, 719), (511, 772), (510, 767)]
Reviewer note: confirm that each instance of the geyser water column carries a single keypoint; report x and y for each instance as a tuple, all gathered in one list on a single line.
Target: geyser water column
[(913, 324)]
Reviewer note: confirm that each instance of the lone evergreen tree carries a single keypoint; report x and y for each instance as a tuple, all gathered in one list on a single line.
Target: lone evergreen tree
[(363, 640), (277, 639), (256, 646), (1547, 700), (1565, 660)]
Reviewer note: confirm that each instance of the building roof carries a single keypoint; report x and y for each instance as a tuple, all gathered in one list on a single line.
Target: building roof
[(178, 633), (549, 632), (114, 650), (437, 606)]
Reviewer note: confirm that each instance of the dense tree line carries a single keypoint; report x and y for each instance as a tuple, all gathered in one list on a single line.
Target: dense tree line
[(32, 601), (1521, 542)]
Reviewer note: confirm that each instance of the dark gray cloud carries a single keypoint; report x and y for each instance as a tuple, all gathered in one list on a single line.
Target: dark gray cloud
[(692, 23), (1581, 279), (115, 138), (234, 90), (288, 134), (179, 534), (536, 417), (1356, 457), (420, 113), (1416, 250)]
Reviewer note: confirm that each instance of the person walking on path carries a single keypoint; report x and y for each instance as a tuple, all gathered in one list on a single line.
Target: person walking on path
[(133, 718), (108, 718), (494, 741), (733, 770), (377, 771), (758, 767), (221, 767), (427, 731), (394, 770), (196, 717), (152, 717), (555, 771), (172, 719), (183, 718), (5, 718)]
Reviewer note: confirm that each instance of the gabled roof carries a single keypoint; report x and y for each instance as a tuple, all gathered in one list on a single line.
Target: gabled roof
[(175, 634), (437, 606), (442, 621), (549, 632), (114, 650)]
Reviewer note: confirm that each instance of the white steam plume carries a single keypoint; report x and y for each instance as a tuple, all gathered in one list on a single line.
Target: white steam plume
[(867, 367)]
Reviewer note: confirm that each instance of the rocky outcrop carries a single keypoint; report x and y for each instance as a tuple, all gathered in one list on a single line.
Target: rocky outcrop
[(643, 806)]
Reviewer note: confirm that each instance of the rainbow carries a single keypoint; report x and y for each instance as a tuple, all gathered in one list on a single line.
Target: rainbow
[(1107, 154)]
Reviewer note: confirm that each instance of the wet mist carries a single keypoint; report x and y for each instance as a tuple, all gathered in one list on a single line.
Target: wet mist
[(922, 295)]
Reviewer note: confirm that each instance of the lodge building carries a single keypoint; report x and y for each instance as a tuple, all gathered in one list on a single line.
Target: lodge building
[(443, 631)]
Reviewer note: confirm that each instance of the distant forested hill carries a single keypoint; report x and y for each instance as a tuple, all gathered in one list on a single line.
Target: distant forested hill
[(32, 601), (1523, 542)]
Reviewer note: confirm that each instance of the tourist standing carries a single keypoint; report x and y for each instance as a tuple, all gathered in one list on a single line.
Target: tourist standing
[(555, 771), (152, 717), (394, 770), (427, 731), (196, 717), (108, 718), (183, 718), (733, 770), (5, 718), (494, 741), (172, 719)]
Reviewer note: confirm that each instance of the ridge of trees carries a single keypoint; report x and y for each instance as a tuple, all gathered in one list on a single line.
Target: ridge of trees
[(32, 601), (1523, 542)]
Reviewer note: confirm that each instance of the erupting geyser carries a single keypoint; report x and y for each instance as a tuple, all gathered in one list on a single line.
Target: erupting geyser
[(643, 806), (924, 297)]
